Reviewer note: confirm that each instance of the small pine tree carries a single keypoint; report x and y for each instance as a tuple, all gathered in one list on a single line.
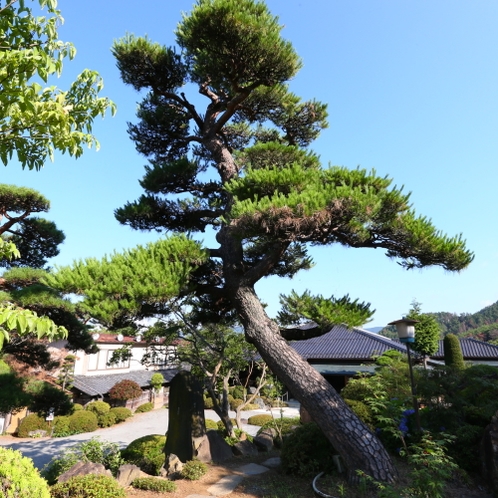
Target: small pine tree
[(453, 356)]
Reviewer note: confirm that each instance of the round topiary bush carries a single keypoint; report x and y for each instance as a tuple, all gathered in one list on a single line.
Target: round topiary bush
[(98, 407), (260, 420), (154, 484), (211, 424), (125, 390), (193, 470), (77, 407), (208, 402), (146, 452), (235, 403), (19, 478), (121, 413), (146, 407), (83, 421), (306, 451), (251, 406), (32, 422), (61, 426), (88, 486), (106, 420)]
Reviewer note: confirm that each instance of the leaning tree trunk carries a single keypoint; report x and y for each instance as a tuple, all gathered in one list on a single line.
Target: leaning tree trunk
[(359, 448)]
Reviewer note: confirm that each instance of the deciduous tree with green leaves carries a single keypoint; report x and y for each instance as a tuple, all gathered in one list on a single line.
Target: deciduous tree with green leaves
[(35, 121), (427, 332), (240, 167)]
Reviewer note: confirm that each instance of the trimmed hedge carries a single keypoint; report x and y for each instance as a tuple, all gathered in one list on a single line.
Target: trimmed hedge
[(193, 470), (106, 420), (121, 413), (146, 452), (260, 420), (211, 424), (32, 422), (146, 407), (98, 407), (83, 421)]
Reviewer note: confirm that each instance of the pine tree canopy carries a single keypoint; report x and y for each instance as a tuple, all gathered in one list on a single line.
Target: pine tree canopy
[(240, 165), (120, 287), (35, 238), (235, 162)]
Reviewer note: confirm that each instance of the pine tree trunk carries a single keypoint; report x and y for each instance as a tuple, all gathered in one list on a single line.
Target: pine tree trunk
[(359, 448)]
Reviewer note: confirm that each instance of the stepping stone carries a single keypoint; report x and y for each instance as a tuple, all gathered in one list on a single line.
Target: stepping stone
[(225, 485), (252, 469), (272, 462)]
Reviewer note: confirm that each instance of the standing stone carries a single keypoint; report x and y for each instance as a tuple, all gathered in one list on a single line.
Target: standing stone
[(186, 416)]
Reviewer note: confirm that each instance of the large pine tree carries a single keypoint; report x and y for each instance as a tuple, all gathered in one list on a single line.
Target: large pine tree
[(240, 166)]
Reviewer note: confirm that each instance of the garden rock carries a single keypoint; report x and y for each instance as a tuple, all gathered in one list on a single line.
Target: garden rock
[(172, 466), (37, 433), (244, 448), (264, 441), (127, 474), (220, 450), (84, 468)]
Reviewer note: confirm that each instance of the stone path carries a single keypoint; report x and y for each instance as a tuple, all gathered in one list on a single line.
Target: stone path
[(228, 483)]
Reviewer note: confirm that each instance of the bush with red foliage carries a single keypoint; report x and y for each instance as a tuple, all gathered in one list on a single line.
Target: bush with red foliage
[(125, 390)]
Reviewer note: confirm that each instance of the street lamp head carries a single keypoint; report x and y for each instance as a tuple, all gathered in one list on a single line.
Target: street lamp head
[(406, 329)]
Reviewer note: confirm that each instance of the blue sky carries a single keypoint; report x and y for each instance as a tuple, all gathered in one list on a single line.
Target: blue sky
[(412, 93)]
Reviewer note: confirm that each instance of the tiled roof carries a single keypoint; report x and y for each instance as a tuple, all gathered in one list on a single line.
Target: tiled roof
[(98, 385), (342, 343), (472, 349)]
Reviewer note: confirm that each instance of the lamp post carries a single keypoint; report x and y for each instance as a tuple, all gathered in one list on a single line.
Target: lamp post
[(406, 334)]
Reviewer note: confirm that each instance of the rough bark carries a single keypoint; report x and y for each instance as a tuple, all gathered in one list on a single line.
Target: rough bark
[(357, 445)]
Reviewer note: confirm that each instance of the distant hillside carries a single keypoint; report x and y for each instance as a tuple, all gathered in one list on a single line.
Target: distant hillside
[(482, 325)]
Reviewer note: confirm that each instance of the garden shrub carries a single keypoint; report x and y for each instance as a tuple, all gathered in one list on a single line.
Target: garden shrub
[(221, 425), (453, 356), (193, 470), (146, 452), (83, 421), (61, 426), (77, 407), (154, 484), (146, 407), (306, 452), (251, 406), (106, 420), (362, 411), (88, 486), (260, 420), (211, 424), (19, 478), (235, 403), (237, 392), (125, 390), (32, 422), (98, 407), (121, 413), (94, 450), (208, 402), (285, 425)]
